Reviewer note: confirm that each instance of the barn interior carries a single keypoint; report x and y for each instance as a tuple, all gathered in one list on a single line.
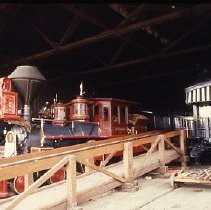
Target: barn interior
[(137, 51), (151, 53)]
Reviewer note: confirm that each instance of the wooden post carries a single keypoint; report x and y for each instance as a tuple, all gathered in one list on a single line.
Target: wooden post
[(71, 183), (183, 142), (128, 161), (28, 180), (91, 161), (130, 185), (183, 147), (161, 149)]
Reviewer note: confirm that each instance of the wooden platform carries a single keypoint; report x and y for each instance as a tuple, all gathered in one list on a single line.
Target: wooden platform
[(89, 184)]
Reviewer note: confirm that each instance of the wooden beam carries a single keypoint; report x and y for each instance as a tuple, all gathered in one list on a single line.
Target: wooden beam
[(142, 60), (102, 36), (185, 35), (100, 24), (99, 37), (129, 18), (104, 171), (172, 145), (148, 29), (71, 28), (118, 8), (47, 40), (152, 149), (133, 15), (84, 15), (175, 42), (108, 158), (118, 52)]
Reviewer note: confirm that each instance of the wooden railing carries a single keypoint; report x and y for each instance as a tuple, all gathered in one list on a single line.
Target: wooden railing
[(85, 153)]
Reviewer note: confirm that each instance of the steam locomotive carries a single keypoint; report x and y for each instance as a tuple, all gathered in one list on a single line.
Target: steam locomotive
[(58, 124)]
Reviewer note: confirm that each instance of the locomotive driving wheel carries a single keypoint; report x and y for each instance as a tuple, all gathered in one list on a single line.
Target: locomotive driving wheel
[(18, 184), (58, 176)]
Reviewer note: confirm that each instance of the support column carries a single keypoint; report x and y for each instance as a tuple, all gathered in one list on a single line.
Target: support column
[(161, 148), (71, 184), (91, 161), (183, 147), (130, 185), (28, 180)]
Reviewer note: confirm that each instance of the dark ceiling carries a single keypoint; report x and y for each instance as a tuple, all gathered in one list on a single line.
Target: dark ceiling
[(143, 52)]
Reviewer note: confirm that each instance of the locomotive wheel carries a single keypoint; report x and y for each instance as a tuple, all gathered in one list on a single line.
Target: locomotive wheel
[(58, 176), (18, 184)]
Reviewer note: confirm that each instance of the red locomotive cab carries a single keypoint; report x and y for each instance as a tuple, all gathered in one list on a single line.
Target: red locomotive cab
[(59, 113), (111, 114), (79, 109)]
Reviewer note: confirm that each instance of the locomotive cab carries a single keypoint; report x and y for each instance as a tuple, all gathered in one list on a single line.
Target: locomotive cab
[(111, 114)]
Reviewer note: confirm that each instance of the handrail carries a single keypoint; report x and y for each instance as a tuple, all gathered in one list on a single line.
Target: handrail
[(29, 163)]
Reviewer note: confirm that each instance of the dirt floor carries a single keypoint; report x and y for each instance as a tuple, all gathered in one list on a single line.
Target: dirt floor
[(155, 194)]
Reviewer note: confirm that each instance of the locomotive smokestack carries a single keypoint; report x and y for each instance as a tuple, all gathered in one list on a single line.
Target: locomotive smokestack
[(27, 81)]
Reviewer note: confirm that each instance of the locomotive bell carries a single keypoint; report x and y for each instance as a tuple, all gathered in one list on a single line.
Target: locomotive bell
[(27, 81)]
